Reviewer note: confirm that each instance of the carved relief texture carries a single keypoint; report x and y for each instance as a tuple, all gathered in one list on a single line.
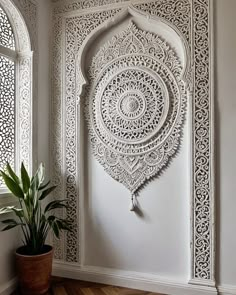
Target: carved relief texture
[(135, 106), (191, 18), (203, 254), (84, 4), (176, 12), (7, 111), (57, 135), (77, 29), (30, 12), (6, 32)]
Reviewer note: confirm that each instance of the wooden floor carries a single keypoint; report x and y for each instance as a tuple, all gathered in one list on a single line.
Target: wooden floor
[(72, 287)]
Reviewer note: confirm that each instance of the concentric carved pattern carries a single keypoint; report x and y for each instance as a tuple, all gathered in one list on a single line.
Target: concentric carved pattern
[(6, 32), (181, 13), (203, 251), (7, 110), (136, 106)]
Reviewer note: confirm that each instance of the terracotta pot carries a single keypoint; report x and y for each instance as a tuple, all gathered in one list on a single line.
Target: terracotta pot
[(34, 272)]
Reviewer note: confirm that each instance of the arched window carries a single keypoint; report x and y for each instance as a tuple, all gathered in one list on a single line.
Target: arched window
[(16, 80), (7, 92)]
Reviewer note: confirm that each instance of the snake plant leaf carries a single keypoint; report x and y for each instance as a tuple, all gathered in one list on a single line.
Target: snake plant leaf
[(46, 192), (12, 185), (12, 173), (25, 178)]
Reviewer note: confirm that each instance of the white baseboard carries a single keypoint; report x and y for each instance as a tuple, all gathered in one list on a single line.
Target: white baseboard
[(227, 290), (135, 280), (9, 287)]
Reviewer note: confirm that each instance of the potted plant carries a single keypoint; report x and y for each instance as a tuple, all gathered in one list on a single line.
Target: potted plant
[(34, 258)]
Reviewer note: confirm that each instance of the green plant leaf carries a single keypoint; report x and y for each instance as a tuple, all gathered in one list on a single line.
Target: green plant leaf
[(8, 209), (55, 229), (18, 212), (46, 192), (9, 226), (11, 223), (25, 178), (40, 175), (44, 186), (57, 204), (64, 224), (35, 223), (9, 220), (5, 210), (12, 185), (12, 173)]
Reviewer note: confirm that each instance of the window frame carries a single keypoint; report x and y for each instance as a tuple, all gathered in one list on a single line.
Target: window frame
[(24, 90)]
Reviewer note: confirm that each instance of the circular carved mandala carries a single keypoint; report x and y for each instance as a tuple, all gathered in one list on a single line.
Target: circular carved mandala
[(135, 106)]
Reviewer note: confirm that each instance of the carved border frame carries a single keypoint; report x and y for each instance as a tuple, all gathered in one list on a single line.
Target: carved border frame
[(63, 147)]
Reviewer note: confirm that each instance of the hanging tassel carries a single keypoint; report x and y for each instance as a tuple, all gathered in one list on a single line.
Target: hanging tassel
[(133, 203)]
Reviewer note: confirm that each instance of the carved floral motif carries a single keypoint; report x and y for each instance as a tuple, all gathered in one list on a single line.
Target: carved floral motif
[(191, 17), (136, 103)]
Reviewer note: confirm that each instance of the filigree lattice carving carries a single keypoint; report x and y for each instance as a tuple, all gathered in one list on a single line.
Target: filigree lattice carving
[(84, 4), (203, 251), (7, 110), (6, 32), (30, 12), (57, 132), (176, 12), (136, 102)]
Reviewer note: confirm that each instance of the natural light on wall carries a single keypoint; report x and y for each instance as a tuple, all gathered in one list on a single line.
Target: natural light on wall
[(7, 92)]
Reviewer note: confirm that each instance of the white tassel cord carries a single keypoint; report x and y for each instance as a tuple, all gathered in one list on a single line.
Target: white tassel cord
[(133, 203)]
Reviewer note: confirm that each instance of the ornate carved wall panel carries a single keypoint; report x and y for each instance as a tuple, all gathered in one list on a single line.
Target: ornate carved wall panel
[(133, 78), (135, 105)]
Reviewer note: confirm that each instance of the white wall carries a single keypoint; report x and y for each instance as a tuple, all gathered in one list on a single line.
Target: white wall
[(157, 242), (44, 82), (225, 85), (9, 241)]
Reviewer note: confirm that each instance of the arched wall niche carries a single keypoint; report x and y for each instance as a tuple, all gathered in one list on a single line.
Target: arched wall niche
[(144, 21), (136, 125)]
